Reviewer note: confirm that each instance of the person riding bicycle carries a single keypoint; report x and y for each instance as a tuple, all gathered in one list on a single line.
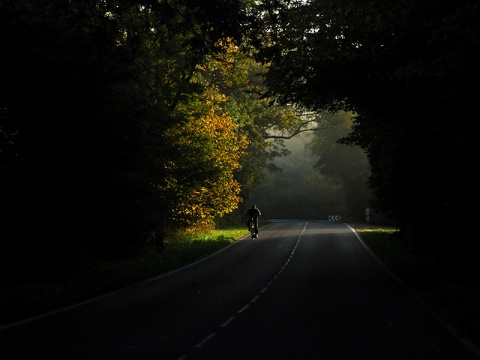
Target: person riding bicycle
[(252, 215)]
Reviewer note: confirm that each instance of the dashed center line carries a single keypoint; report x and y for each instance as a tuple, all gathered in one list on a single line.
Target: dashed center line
[(226, 323), (205, 340)]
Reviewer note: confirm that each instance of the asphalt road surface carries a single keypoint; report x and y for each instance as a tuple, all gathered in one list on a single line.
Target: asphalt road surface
[(302, 290)]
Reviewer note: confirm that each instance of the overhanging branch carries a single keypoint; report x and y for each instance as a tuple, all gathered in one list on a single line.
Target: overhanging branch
[(303, 127)]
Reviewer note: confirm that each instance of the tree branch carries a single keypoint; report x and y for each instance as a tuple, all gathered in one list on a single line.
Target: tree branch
[(303, 127)]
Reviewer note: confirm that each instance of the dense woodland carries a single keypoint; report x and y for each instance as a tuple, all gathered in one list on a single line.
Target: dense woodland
[(118, 116), (408, 71)]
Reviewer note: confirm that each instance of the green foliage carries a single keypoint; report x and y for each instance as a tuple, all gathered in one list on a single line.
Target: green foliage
[(345, 166), (199, 181), (408, 70), (251, 108), (89, 93), (320, 177), (115, 116)]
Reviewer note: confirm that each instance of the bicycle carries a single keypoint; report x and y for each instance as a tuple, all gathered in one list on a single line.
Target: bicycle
[(252, 228)]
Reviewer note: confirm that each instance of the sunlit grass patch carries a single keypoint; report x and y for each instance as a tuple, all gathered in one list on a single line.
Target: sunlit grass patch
[(385, 243), (452, 299)]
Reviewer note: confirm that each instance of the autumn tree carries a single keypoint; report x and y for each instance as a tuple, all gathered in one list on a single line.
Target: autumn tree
[(266, 124), (89, 91), (199, 181)]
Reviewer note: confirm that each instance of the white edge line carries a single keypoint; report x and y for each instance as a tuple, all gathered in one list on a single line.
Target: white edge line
[(37, 317), (474, 348)]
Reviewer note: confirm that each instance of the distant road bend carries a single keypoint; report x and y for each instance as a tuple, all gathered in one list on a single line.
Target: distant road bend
[(302, 290)]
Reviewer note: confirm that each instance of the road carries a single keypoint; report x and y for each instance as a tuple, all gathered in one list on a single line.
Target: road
[(302, 290)]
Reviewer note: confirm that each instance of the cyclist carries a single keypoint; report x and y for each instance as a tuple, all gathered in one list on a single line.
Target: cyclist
[(252, 215)]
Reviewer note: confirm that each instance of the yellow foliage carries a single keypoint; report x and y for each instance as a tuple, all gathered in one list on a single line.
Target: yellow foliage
[(200, 177)]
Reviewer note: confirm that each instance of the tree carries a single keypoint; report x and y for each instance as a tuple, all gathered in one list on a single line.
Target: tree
[(199, 182), (89, 92), (408, 70), (241, 80), (297, 190), (345, 165), (72, 113)]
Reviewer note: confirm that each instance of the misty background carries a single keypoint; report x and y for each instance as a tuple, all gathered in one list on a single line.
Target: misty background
[(296, 190), (319, 178)]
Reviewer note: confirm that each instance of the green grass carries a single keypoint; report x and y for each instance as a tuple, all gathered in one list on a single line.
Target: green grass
[(391, 252), (453, 299)]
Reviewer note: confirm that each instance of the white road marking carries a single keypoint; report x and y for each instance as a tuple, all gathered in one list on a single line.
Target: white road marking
[(201, 343)]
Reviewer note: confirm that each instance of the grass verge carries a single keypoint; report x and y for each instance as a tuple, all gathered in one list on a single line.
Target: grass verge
[(452, 298), (19, 301)]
